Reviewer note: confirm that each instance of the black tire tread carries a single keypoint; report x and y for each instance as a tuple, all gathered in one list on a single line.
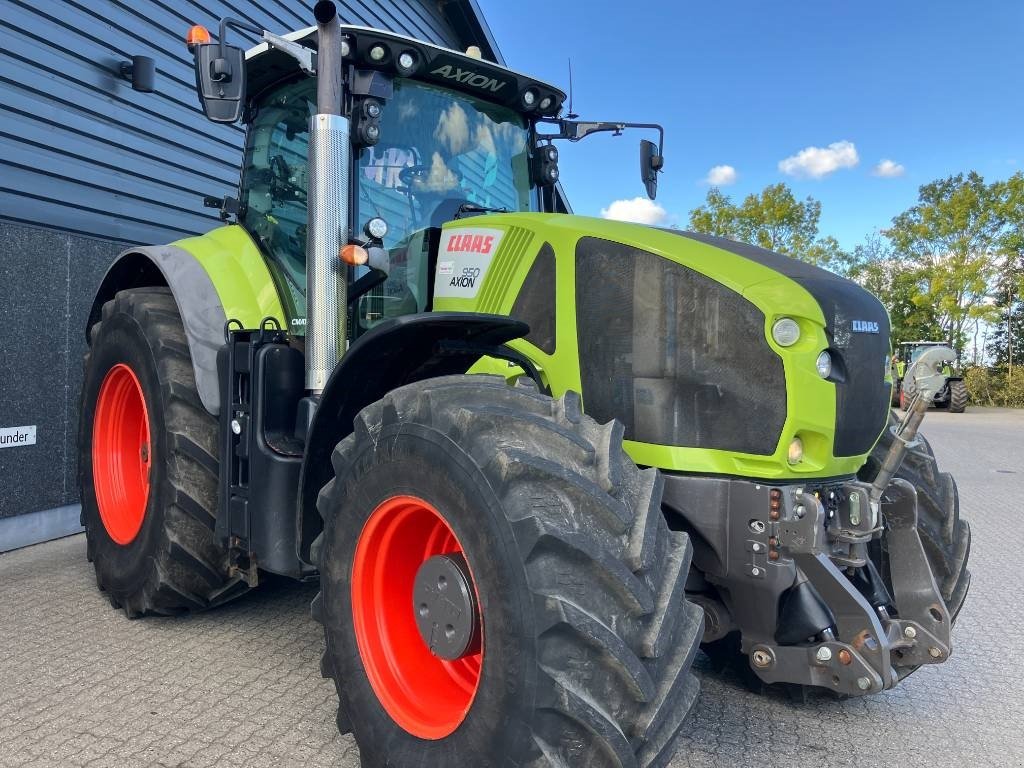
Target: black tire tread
[(632, 615), (957, 396), (945, 535), (189, 571)]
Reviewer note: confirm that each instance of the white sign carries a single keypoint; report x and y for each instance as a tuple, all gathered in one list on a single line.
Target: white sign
[(462, 263), (12, 437)]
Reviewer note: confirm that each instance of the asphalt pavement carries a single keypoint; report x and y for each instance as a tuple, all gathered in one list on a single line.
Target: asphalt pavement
[(80, 685)]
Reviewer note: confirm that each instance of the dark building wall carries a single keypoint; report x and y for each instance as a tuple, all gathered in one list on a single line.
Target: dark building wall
[(89, 166)]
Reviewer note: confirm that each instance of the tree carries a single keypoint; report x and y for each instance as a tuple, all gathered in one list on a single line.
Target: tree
[(898, 285), (1008, 331), (773, 219), (1006, 337), (954, 235)]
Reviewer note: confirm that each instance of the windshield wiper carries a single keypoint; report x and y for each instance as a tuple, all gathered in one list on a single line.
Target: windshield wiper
[(475, 208)]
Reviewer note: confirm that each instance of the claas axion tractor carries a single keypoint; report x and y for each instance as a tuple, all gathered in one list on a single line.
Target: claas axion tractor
[(535, 460)]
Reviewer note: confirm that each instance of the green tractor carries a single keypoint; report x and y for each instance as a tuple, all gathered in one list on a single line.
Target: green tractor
[(535, 460), (953, 396)]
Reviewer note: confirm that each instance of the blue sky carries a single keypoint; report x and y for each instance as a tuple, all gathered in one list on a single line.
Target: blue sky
[(934, 87)]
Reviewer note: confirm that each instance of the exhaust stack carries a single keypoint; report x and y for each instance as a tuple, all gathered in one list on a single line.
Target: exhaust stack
[(327, 209)]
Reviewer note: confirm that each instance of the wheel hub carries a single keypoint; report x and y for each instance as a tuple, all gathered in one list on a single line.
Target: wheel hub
[(445, 607)]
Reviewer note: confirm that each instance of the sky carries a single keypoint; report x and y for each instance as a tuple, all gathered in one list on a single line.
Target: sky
[(854, 103)]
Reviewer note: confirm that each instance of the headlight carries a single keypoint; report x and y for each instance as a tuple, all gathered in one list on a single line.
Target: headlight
[(786, 332), (378, 52), (796, 451), (824, 364), (406, 62), (376, 228)]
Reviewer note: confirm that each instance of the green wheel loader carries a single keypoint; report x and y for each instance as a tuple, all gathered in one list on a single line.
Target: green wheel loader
[(534, 459)]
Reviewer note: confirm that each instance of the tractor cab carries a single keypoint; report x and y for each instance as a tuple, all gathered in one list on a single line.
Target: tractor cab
[(435, 135)]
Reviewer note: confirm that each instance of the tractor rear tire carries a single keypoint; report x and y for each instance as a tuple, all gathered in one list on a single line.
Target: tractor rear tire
[(945, 536), (585, 637), (957, 396), (148, 464)]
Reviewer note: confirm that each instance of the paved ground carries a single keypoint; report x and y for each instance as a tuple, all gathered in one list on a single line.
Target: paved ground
[(81, 685)]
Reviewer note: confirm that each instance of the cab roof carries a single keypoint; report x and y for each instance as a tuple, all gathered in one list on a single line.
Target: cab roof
[(266, 66)]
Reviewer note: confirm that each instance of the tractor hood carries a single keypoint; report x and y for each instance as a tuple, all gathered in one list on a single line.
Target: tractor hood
[(671, 333)]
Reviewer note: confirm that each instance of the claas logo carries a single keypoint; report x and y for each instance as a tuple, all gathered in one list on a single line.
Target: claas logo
[(470, 243)]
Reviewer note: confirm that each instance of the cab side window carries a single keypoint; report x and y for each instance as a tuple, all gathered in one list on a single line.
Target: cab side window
[(274, 183)]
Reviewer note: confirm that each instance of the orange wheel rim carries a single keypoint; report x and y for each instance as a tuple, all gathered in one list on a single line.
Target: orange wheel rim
[(121, 454), (426, 695)]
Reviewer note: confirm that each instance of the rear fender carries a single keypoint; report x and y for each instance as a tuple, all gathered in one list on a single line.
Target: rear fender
[(213, 277)]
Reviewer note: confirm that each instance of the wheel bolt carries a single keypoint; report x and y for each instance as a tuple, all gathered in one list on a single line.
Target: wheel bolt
[(910, 633), (761, 658), (863, 683), (935, 653), (144, 452), (824, 654)]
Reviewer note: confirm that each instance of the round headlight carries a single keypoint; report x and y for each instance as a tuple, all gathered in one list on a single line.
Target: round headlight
[(376, 228), (529, 97), (786, 332), (796, 451), (406, 61), (378, 52), (346, 48), (545, 103), (824, 364)]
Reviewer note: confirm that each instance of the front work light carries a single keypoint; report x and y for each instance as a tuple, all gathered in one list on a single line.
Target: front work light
[(378, 52), (796, 451), (824, 364), (786, 332)]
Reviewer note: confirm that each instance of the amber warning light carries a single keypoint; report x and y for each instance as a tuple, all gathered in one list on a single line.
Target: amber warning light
[(197, 35)]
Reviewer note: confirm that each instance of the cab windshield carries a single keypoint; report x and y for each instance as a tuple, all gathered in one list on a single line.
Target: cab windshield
[(440, 153), (439, 150)]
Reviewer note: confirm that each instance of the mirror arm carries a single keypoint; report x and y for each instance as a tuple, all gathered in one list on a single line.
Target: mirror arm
[(572, 130), (226, 22)]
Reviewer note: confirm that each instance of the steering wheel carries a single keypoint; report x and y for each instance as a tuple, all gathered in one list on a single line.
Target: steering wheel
[(414, 174)]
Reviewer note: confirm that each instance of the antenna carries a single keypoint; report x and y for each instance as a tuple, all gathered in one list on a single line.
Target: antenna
[(570, 115)]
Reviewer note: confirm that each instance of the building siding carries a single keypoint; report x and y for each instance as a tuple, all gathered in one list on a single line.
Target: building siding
[(88, 166), (81, 151)]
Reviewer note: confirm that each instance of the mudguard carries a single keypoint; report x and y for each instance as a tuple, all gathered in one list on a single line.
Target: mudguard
[(399, 351), (213, 277)]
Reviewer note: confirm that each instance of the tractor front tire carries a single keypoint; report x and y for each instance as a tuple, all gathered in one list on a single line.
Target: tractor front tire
[(574, 636), (148, 464), (946, 537), (957, 396)]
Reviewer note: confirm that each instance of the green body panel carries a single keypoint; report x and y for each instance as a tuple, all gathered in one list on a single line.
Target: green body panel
[(811, 400), (238, 272)]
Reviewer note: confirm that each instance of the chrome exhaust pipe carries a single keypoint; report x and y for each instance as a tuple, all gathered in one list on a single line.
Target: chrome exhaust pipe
[(327, 209)]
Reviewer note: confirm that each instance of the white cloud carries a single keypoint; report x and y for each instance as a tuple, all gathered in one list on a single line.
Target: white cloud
[(721, 176), (818, 162), (639, 210), (888, 169)]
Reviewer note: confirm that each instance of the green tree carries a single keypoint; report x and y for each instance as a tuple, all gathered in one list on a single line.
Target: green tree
[(773, 219), (899, 285), (954, 236)]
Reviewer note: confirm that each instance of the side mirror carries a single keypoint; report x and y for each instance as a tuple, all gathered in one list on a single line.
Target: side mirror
[(220, 81), (651, 162)]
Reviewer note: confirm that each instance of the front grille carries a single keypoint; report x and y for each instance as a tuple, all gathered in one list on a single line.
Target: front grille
[(675, 356), (863, 395), (862, 398)]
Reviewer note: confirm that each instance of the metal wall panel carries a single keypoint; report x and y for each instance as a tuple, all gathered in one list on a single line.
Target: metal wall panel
[(81, 151), (88, 165)]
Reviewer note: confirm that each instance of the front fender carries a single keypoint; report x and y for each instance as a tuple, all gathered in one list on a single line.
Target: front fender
[(399, 351)]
